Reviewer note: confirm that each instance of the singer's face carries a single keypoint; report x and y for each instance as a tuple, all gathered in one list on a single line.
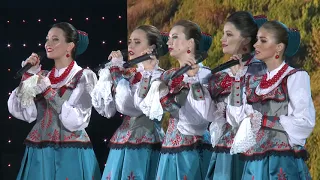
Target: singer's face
[(137, 43), (56, 45), (177, 43), (231, 40), (266, 46)]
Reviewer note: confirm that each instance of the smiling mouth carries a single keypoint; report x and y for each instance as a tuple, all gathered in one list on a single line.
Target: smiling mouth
[(131, 53)]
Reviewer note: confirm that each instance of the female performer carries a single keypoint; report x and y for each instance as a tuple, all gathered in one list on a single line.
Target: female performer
[(58, 147), (135, 146)]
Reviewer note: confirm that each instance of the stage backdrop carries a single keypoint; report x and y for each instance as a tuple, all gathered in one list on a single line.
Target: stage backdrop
[(210, 16)]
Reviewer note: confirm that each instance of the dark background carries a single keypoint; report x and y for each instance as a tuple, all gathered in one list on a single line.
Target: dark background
[(111, 29)]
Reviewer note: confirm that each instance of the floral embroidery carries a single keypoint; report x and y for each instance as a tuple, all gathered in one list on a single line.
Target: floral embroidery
[(72, 135), (109, 176), (55, 136), (126, 123), (126, 134), (174, 139), (282, 175), (34, 135), (48, 130), (131, 177)]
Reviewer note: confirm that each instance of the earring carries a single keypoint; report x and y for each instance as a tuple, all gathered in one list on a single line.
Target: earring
[(277, 56), (68, 55), (188, 51), (244, 49)]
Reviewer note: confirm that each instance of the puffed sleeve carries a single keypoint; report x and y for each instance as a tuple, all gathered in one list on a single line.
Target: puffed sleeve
[(102, 98), (74, 113), (300, 120)]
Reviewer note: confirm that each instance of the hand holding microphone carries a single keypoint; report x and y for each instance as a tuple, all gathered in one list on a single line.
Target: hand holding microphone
[(114, 54), (191, 61), (116, 58), (141, 58), (33, 60), (149, 65), (190, 64)]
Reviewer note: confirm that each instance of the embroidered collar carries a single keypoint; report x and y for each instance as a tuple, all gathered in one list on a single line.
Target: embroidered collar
[(263, 91)]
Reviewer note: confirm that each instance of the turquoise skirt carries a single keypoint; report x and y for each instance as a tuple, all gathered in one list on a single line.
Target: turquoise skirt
[(184, 165), (276, 167), (132, 164), (59, 163), (224, 166)]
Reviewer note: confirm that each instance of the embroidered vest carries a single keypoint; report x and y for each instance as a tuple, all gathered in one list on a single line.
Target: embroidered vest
[(174, 141), (271, 138), (49, 130), (138, 132)]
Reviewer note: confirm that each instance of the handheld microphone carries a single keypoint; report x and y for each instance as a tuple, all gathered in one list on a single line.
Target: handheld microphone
[(141, 58), (124, 53), (199, 58), (27, 66), (231, 63)]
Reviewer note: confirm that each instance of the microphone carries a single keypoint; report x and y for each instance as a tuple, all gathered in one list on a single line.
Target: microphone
[(231, 63), (140, 58), (124, 53), (199, 58), (26, 67)]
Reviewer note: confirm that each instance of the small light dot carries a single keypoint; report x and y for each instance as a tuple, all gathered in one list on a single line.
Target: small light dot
[(119, 17), (9, 45), (9, 93), (70, 19), (23, 21), (39, 20), (10, 117), (9, 141), (54, 19), (120, 115), (105, 140), (120, 41), (8, 21), (102, 18), (9, 70), (39, 44), (87, 19), (24, 45), (103, 42), (9, 165)]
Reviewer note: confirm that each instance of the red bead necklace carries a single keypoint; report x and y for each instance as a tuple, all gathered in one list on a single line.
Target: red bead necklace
[(264, 84), (56, 80)]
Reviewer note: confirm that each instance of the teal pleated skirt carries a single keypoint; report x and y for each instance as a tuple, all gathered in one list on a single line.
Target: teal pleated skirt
[(132, 164), (59, 164), (224, 166), (184, 165), (276, 167)]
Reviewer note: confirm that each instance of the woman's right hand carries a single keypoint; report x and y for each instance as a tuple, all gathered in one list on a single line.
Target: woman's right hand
[(115, 55), (116, 58), (33, 59)]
